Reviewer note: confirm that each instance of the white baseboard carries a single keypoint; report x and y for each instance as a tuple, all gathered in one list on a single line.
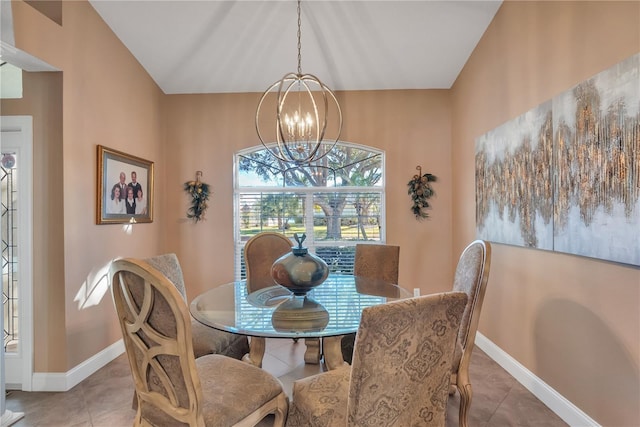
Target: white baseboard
[(9, 418), (566, 410), (43, 381)]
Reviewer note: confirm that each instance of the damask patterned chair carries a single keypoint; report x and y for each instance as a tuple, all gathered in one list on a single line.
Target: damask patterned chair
[(400, 373), (472, 274), (206, 340), (378, 262), (172, 386)]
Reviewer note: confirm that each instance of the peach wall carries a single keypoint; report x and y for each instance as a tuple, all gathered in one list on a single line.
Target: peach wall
[(413, 127), (574, 322), (107, 99), (36, 34), (42, 99)]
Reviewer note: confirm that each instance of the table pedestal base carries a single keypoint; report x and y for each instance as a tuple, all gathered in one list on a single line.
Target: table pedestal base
[(312, 355), (332, 351), (257, 348)]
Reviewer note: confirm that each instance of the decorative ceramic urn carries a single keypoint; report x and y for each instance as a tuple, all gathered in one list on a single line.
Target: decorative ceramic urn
[(299, 271)]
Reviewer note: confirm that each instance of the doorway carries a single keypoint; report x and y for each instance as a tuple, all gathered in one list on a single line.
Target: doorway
[(16, 245)]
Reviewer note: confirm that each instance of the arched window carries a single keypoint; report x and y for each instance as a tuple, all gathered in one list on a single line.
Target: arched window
[(337, 202)]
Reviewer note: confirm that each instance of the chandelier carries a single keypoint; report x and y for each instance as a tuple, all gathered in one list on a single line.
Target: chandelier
[(301, 107)]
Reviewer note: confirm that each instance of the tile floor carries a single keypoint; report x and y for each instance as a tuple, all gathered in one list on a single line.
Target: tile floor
[(104, 399)]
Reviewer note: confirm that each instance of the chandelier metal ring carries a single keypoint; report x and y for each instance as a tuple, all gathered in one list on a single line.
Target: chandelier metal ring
[(300, 128)]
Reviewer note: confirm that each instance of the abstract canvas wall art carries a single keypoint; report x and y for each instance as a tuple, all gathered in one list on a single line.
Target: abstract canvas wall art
[(565, 176), (513, 181)]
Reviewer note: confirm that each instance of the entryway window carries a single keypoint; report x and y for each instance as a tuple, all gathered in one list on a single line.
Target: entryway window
[(9, 250), (337, 201)]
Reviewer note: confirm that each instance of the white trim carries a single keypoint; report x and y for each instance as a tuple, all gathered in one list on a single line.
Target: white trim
[(6, 23), (23, 60), (566, 410), (271, 145), (68, 380), (8, 51), (25, 249), (9, 418)]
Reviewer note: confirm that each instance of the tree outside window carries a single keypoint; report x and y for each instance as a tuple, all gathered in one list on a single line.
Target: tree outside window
[(337, 202)]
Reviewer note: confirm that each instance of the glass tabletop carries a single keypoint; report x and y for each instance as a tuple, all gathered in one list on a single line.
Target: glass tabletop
[(333, 308)]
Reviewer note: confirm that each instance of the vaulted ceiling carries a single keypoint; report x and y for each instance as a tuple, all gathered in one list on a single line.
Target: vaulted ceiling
[(218, 46)]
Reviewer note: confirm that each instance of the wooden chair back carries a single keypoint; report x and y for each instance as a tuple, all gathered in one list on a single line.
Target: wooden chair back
[(205, 339), (155, 325)]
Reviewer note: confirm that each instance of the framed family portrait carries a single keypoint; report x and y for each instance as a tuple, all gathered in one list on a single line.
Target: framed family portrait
[(125, 188)]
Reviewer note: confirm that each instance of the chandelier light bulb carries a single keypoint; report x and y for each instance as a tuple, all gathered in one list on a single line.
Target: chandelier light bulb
[(299, 129)]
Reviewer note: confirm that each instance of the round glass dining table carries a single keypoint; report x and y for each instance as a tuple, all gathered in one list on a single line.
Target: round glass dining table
[(328, 311)]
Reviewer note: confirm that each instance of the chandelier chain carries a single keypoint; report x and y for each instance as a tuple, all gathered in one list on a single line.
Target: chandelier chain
[(300, 132), (299, 43)]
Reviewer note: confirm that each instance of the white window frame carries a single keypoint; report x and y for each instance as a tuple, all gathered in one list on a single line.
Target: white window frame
[(310, 242)]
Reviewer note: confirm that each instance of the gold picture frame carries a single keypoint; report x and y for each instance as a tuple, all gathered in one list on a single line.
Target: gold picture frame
[(120, 172)]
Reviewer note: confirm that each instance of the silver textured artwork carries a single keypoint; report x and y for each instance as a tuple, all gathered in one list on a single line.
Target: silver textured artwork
[(513, 181), (565, 176)]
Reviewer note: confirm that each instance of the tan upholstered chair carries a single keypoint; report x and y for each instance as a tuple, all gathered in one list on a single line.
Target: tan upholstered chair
[(260, 252), (206, 340), (172, 386), (377, 262), (400, 372), (472, 273)]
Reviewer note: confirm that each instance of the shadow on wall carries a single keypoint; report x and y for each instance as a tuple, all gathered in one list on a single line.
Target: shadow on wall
[(581, 358)]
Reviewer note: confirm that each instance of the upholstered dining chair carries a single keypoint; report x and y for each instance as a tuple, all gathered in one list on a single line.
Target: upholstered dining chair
[(206, 340), (260, 252), (400, 372), (172, 386), (376, 261), (472, 274)]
